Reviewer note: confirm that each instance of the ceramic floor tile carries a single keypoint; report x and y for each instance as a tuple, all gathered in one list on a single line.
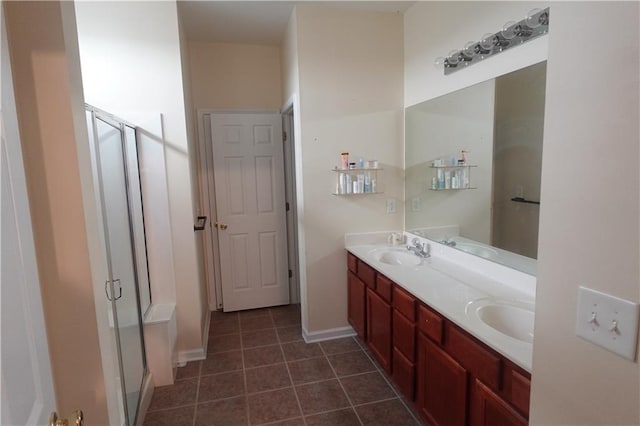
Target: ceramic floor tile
[(223, 316), (321, 396), (192, 369), (386, 413), (301, 350), (368, 387), (291, 422), (224, 327), (338, 346), (264, 355), (181, 393), (286, 319), (256, 323), (170, 417), (224, 343), (256, 338), (219, 386), (310, 370), (267, 378), (254, 313), (289, 334), (351, 363), (273, 406), (224, 412), (222, 362), (285, 309), (345, 417)]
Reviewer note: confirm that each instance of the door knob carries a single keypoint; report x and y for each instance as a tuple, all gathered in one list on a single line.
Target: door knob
[(221, 226), (78, 418)]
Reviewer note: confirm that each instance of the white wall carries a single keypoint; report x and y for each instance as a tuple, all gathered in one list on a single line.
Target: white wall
[(350, 77), (130, 57), (589, 217), (235, 76), (589, 213)]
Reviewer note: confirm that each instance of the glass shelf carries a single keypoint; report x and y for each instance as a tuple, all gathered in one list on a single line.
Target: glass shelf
[(355, 170), (453, 167), (451, 189), (352, 194)]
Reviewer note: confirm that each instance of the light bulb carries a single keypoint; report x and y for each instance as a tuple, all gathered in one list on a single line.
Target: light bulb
[(487, 41), (469, 49), (533, 18), (453, 58), (509, 30)]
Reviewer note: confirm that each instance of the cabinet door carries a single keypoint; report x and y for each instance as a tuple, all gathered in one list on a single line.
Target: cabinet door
[(491, 410), (441, 386), (404, 336), (357, 304), (379, 328), (404, 374)]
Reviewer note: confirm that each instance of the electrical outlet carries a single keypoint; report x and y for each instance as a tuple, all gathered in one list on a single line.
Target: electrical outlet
[(391, 205), (415, 204), (608, 321)]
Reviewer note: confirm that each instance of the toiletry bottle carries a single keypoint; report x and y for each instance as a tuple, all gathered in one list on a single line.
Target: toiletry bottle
[(447, 180), (361, 163), (344, 158), (367, 182)]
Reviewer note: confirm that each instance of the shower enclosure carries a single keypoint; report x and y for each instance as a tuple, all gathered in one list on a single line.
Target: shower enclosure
[(117, 182)]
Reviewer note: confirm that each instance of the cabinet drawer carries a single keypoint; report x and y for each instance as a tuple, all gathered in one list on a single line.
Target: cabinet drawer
[(404, 336), (520, 391), (479, 361), (383, 287), (430, 323), (367, 274), (352, 263), (404, 374), (404, 303)]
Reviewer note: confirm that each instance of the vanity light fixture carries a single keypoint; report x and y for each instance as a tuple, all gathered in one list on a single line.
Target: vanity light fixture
[(512, 34)]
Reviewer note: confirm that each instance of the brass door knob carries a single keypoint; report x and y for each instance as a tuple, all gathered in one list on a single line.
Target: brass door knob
[(77, 415), (221, 226)]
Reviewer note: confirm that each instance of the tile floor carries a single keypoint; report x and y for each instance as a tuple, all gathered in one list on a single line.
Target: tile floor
[(259, 371)]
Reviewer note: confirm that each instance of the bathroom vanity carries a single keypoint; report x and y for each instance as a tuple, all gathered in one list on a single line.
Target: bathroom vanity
[(435, 327)]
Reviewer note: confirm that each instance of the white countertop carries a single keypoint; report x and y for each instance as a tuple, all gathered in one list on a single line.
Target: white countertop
[(448, 281)]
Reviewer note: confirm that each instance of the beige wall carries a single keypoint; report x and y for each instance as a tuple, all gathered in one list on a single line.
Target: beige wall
[(130, 54), (589, 214), (350, 77), (235, 76), (49, 103)]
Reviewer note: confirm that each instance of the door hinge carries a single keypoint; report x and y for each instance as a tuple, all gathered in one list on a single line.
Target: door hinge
[(290, 273), (284, 136), (286, 205)]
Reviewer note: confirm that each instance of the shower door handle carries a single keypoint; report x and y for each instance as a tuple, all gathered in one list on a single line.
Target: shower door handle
[(110, 297)]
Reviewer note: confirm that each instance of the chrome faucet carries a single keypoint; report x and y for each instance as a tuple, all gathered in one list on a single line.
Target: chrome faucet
[(449, 242), (419, 249)]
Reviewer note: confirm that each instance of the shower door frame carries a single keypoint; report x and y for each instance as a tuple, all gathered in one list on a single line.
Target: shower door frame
[(120, 125)]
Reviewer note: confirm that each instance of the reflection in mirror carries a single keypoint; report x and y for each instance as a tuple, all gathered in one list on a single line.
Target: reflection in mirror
[(485, 201)]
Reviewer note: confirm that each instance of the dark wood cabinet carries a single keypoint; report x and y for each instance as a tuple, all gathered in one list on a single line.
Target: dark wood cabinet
[(379, 328), (452, 377), (357, 296), (491, 410), (442, 386)]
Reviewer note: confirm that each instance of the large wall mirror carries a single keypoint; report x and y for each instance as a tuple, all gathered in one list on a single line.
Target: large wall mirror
[(489, 204)]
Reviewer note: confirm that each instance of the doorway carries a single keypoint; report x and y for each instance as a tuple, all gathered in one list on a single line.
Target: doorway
[(246, 183)]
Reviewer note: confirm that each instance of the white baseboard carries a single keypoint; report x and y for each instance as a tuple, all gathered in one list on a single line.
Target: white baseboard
[(145, 398), (330, 334), (191, 355), (196, 354)]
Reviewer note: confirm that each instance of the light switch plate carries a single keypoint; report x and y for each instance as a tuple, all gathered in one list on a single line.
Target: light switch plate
[(608, 321), (416, 204), (391, 205)]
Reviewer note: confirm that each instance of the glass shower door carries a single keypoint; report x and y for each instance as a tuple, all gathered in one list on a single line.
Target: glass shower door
[(113, 167)]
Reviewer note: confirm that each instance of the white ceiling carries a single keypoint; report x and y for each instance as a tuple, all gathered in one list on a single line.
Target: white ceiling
[(256, 22)]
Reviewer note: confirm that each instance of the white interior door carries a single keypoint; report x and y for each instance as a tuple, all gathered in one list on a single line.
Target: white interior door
[(27, 386), (250, 209)]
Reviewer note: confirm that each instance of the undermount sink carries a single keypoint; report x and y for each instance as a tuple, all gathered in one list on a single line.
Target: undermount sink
[(513, 319), (397, 257)]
